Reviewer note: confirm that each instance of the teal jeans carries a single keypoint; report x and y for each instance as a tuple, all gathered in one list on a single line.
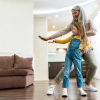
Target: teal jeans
[(92, 67)]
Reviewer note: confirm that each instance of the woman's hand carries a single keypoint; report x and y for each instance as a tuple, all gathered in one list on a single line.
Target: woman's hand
[(86, 49), (44, 38), (53, 41)]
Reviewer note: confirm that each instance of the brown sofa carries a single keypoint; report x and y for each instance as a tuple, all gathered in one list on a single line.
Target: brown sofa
[(16, 72)]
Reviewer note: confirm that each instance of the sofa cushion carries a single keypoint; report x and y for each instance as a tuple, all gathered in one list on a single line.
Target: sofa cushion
[(22, 63), (16, 72), (6, 62)]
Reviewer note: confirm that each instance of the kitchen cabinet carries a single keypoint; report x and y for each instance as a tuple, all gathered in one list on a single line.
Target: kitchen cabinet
[(55, 67), (52, 47), (84, 67), (52, 69)]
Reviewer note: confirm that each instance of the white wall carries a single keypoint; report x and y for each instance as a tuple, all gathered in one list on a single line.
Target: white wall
[(40, 49), (16, 26), (96, 44)]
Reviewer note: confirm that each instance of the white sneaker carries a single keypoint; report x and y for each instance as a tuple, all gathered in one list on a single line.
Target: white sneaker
[(90, 88), (64, 94), (51, 89), (82, 92)]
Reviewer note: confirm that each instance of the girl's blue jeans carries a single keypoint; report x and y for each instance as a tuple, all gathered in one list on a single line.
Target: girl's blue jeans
[(72, 56)]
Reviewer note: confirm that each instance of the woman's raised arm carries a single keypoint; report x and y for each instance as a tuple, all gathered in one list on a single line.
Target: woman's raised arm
[(57, 34)]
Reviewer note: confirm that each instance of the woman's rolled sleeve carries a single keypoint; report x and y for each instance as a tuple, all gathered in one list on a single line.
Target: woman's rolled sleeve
[(92, 31)]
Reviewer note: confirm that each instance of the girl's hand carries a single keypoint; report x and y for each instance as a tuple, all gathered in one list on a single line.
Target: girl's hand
[(44, 38), (86, 49), (53, 41)]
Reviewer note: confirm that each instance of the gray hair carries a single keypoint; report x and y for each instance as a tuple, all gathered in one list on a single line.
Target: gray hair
[(82, 16)]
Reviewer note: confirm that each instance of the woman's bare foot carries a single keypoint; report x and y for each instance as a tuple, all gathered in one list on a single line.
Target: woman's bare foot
[(54, 83)]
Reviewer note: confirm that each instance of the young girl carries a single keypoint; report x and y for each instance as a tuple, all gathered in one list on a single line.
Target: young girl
[(77, 42)]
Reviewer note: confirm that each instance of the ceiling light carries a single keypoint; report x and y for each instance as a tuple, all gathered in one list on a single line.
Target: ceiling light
[(38, 12), (53, 26), (56, 16), (95, 6)]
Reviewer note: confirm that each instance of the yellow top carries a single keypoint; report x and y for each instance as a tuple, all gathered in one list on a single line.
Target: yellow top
[(69, 39)]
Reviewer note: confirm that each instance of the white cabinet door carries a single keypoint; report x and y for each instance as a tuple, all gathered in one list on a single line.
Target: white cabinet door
[(52, 47), (62, 45)]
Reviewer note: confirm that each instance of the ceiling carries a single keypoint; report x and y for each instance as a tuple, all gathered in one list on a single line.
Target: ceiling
[(58, 12)]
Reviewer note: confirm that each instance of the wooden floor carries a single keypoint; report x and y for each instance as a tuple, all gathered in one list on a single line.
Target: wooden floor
[(38, 92)]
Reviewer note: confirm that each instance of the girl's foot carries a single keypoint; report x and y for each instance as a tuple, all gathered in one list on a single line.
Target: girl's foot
[(82, 92), (51, 89), (65, 94)]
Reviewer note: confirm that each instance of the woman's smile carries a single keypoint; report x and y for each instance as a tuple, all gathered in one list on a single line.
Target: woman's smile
[(76, 17)]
